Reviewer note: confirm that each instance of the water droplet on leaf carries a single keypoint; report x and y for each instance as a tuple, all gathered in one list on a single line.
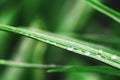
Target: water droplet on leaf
[(70, 49), (87, 53), (100, 51), (114, 57)]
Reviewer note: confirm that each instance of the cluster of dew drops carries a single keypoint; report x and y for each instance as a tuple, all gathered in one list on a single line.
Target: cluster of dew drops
[(99, 55), (87, 53)]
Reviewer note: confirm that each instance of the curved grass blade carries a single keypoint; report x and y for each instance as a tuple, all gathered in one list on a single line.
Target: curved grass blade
[(63, 68), (104, 9), (17, 64), (100, 69), (98, 54), (39, 51)]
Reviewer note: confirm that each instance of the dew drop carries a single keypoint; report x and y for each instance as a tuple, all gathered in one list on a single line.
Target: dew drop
[(70, 49), (54, 43), (114, 57), (30, 35), (87, 53), (47, 41), (100, 51)]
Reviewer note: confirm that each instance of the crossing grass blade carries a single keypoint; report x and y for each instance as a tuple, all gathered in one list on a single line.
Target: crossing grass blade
[(99, 69), (104, 9)]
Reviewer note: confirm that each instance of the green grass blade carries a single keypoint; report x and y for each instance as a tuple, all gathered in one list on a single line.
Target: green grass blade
[(71, 18), (100, 69), (38, 52), (94, 45), (104, 9), (67, 44), (37, 58), (17, 65)]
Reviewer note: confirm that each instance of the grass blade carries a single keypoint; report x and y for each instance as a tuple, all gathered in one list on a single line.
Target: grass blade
[(104, 9), (20, 65), (71, 18), (100, 69), (98, 54), (39, 51)]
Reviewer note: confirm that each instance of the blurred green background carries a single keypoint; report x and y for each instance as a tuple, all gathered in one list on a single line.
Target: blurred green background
[(73, 18)]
